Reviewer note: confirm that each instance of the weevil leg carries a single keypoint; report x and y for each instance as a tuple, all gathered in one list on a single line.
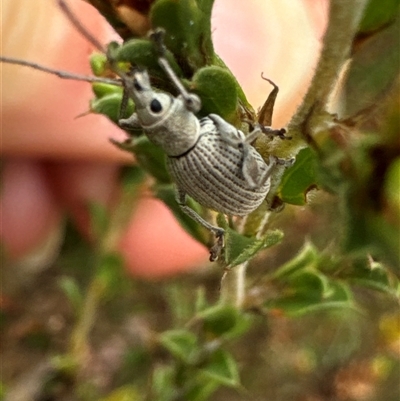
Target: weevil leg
[(128, 145), (219, 233), (227, 131), (275, 161), (281, 133), (284, 162), (130, 123), (250, 168), (253, 135), (123, 106), (252, 173)]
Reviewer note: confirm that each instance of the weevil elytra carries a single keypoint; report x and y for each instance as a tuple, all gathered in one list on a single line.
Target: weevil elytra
[(208, 159)]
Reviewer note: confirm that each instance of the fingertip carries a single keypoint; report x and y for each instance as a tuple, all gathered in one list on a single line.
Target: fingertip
[(156, 246), (29, 213), (40, 109), (77, 184), (280, 38), (153, 246)]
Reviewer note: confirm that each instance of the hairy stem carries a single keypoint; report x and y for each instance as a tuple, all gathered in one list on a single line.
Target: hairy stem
[(240, 276), (344, 17)]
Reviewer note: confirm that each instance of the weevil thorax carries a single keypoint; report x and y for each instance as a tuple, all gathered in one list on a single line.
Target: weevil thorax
[(165, 118)]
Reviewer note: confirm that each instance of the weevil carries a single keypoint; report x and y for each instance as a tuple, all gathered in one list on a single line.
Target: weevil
[(208, 159)]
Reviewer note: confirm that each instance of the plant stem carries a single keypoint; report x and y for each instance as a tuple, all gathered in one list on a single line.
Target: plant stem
[(79, 347), (79, 337), (240, 276), (344, 18)]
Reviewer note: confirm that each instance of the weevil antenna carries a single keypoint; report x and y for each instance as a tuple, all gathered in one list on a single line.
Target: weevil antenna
[(78, 25), (60, 73), (124, 104), (192, 101)]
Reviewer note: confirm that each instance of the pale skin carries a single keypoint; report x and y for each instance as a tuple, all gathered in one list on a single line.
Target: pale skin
[(55, 163)]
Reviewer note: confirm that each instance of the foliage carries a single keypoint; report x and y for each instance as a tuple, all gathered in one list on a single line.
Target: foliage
[(346, 177)]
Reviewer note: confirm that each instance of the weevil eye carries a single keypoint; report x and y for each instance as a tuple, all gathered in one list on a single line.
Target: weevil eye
[(155, 106)]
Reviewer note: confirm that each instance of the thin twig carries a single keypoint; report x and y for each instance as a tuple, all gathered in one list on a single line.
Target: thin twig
[(79, 27), (60, 73)]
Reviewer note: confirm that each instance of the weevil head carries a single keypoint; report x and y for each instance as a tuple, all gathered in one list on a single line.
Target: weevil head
[(165, 119), (151, 106)]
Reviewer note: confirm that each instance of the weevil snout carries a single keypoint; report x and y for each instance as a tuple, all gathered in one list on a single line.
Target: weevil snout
[(137, 83), (141, 81)]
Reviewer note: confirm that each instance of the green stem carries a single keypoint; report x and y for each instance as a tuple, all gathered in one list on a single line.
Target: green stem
[(79, 346), (233, 284), (240, 276), (344, 18)]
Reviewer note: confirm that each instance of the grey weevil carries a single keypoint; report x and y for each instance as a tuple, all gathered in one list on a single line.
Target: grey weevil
[(209, 159)]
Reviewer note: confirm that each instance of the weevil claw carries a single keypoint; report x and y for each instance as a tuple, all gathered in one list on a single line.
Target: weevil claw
[(216, 249), (284, 162)]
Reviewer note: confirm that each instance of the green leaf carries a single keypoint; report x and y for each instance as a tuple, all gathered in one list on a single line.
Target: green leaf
[(379, 13), (307, 257), (219, 319), (163, 385), (142, 53), (151, 158), (299, 179), (98, 63), (132, 177), (101, 89), (125, 393), (337, 292), (249, 247), (207, 83), (99, 219), (111, 273), (110, 105), (222, 369), (239, 248), (305, 289), (136, 365), (188, 30), (374, 68), (202, 391), (3, 391), (392, 187), (73, 292), (312, 294), (310, 283), (376, 277), (369, 232), (201, 300), (244, 103), (181, 344), (243, 324)]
